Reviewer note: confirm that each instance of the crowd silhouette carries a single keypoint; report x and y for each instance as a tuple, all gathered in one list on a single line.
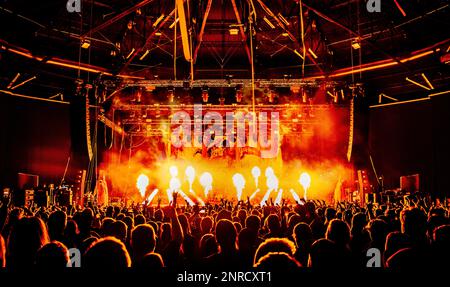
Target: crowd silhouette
[(224, 236)]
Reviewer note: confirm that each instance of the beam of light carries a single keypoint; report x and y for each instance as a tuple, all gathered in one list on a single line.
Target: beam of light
[(144, 55), (312, 53), (173, 170), (428, 81), (239, 184), (206, 182), (279, 196), (254, 194), (142, 183), (256, 173), (174, 22), (151, 196), (158, 20), (295, 195), (400, 8), (305, 181), (23, 83), (13, 81), (298, 54), (185, 197), (417, 84)]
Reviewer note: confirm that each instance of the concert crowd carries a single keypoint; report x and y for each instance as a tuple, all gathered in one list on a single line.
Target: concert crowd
[(408, 233)]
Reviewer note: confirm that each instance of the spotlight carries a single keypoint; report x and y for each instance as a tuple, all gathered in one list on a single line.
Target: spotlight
[(356, 44), (171, 94), (239, 95), (205, 94), (85, 44), (233, 31), (130, 25)]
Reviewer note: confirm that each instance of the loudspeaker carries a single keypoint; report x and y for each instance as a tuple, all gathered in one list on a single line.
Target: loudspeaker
[(81, 147)]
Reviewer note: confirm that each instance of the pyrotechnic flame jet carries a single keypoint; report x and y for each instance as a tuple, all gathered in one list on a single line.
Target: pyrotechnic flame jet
[(279, 196), (190, 174), (254, 194), (206, 182), (256, 172), (272, 185), (305, 181), (180, 192), (239, 183), (174, 186), (142, 183), (269, 172), (295, 195), (151, 196), (173, 170)]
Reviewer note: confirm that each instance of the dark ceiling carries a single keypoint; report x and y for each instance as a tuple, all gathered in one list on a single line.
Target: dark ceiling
[(47, 30)]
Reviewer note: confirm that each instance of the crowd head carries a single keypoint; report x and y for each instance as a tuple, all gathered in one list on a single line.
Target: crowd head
[(225, 235)]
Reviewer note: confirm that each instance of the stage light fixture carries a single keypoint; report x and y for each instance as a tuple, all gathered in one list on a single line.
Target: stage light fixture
[(205, 94), (239, 95), (171, 95), (85, 44), (356, 44), (130, 25), (233, 31)]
